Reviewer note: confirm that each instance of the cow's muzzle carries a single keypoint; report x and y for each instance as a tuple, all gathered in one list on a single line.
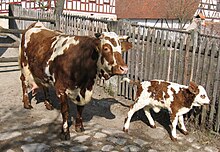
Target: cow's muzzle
[(120, 69)]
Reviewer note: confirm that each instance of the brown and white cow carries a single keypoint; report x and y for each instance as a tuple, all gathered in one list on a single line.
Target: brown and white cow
[(177, 99), (70, 65)]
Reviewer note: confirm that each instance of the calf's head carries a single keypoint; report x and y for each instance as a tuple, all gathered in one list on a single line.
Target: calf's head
[(110, 61), (201, 97)]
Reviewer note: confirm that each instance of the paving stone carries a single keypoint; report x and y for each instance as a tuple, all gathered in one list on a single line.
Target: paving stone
[(129, 148), (10, 150), (107, 148), (8, 135), (190, 139), (157, 133), (140, 142), (29, 139), (100, 135), (79, 148), (36, 147), (211, 149), (82, 138), (152, 150), (119, 141), (96, 143), (196, 145), (112, 131)]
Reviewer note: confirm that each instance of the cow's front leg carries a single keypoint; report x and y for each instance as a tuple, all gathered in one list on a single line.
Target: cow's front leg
[(79, 122), (182, 125), (47, 101), (25, 100), (65, 134)]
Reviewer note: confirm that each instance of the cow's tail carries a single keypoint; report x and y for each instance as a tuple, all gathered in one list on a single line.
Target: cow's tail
[(131, 81), (19, 56)]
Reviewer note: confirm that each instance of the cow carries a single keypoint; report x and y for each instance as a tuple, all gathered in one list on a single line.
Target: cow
[(69, 64), (177, 99)]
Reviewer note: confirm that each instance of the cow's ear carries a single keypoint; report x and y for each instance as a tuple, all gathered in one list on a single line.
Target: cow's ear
[(97, 35), (193, 87), (125, 46)]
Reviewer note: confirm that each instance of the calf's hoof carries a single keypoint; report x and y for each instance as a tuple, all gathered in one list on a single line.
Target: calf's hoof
[(173, 139), (153, 126), (48, 105), (79, 129), (125, 130), (184, 132), (65, 136), (28, 106)]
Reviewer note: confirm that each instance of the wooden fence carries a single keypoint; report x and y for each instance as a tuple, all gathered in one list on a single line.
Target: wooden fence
[(157, 53)]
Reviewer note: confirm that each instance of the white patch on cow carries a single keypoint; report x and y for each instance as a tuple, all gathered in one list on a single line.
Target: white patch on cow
[(65, 126), (182, 111), (29, 80), (72, 94), (59, 48)]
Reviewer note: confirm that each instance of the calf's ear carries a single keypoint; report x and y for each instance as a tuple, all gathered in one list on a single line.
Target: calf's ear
[(193, 87), (125, 46), (97, 35)]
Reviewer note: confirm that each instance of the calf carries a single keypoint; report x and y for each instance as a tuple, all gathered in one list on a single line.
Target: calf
[(70, 64), (157, 94)]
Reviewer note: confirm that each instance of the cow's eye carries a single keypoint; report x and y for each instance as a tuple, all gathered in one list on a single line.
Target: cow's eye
[(105, 49), (203, 96)]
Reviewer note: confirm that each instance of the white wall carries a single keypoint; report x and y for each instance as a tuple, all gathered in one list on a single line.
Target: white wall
[(4, 22)]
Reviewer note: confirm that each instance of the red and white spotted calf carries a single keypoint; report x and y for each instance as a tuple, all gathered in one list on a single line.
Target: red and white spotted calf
[(157, 94), (70, 65)]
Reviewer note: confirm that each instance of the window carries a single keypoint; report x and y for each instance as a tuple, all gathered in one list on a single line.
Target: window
[(106, 1)]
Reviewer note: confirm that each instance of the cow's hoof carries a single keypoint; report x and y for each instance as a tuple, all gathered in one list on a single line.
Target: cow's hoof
[(153, 126), (65, 136), (125, 130), (48, 105), (173, 139), (79, 129), (184, 132), (28, 106)]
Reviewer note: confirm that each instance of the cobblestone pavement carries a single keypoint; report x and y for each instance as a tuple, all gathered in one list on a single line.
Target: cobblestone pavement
[(37, 130)]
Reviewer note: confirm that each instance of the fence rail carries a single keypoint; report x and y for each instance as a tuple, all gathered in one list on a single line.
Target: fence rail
[(171, 55)]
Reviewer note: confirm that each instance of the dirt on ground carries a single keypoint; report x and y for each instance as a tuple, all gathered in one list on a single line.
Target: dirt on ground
[(38, 129)]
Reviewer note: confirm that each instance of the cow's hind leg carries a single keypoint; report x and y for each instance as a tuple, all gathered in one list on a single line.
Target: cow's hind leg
[(79, 122), (26, 101), (47, 101), (137, 106), (65, 135)]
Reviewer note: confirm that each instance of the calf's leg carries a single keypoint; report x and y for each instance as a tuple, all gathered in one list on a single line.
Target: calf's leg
[(182, 125), (150, 119), (174, 121), (136, 106), (79, 123)]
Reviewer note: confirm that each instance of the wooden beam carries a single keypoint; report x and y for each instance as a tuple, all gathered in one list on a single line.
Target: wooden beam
[(28, 19), (12, 31), (9, 45)]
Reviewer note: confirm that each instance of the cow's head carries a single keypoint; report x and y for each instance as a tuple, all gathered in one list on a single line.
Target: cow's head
[(201, 96), (110, 61)]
